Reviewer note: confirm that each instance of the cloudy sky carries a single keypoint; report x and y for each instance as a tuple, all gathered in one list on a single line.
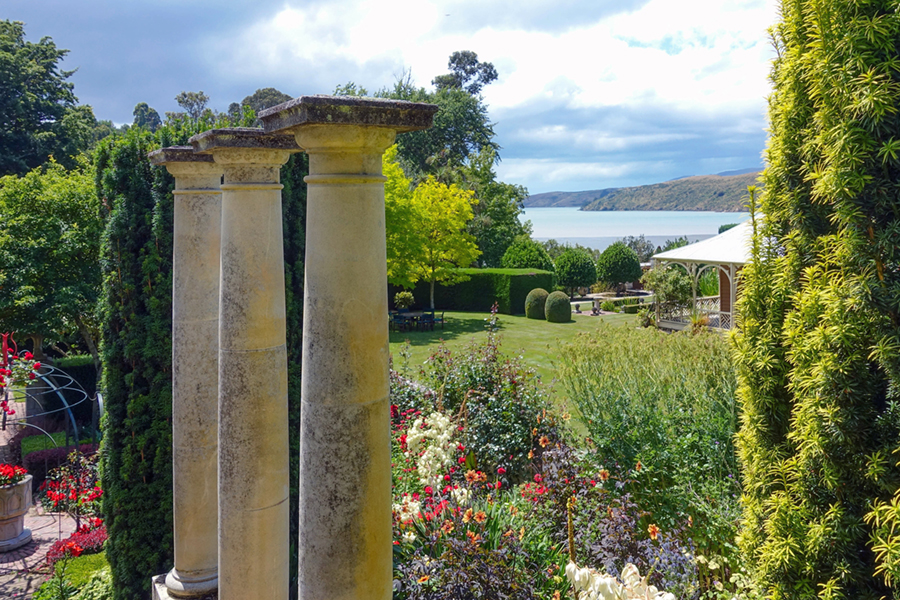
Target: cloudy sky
[(591, 93)]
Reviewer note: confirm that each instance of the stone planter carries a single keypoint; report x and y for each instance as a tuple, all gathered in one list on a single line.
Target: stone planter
[(14, 502)]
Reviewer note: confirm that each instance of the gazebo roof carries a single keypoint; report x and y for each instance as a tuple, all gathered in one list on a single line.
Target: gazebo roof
[(732, 246)]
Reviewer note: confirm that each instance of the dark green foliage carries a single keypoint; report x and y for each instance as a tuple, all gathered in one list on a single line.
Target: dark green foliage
[(575, 269), (146, 117), (817, 352), (293, 204), (557, 308), (467, 73), (36, 118), (507, 287), (136, 311), (642, 246), (525, 253), (726, 227), (618, 264), (136, 314), (535, 302)]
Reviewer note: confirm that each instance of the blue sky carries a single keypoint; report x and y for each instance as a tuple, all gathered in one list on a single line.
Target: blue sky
[(591, 93)]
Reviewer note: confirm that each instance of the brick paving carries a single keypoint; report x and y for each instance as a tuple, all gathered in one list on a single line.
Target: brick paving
[(24, 569)]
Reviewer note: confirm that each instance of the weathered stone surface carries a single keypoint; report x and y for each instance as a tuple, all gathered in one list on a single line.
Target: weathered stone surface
[(241, 138), (177, 154), (345, 472), (396, 115), (14, 502), (195, 358), (345, 526), (253, 435)]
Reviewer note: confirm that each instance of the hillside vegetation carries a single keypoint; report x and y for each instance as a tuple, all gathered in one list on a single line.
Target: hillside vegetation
[(703, 192)]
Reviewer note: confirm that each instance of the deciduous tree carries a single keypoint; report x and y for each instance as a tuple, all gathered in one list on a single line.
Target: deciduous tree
[(618, 264), (525, 253), (49, 253), (575, 269), (34, 104)]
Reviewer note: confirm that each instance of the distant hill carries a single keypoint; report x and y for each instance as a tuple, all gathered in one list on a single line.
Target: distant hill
[(723, 193)]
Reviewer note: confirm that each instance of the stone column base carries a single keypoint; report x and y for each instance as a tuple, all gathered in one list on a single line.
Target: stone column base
[(161, 592), (16, 542)]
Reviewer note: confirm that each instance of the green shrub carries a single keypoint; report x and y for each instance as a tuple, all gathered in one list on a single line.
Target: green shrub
[(618, 264), (575, 269), (403, 299), (534, 303), (525, 253), (632, 309), (668, 401), (557, 308), (507, 287), (609, 306)]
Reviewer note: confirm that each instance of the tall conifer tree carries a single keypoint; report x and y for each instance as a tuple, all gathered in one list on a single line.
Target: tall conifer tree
[(818, 350)]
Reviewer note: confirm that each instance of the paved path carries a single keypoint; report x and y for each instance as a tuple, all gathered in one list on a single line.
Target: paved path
[(23, 570)]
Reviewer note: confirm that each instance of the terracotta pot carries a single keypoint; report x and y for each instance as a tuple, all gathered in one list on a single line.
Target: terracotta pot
[(14, 502)]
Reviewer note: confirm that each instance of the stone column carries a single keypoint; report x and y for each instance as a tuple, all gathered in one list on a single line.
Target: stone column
[(345, 464), (253, 434), (195, 359)]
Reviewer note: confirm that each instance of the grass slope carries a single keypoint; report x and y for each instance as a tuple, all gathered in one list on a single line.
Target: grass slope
[(536, 341)]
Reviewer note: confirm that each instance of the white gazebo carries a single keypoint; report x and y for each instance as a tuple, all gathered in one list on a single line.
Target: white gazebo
[(727, 252)]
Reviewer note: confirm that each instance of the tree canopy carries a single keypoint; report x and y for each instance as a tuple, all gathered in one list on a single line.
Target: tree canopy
[(575, 269), (38, 115), (146, 117), (49, 252), (525, 253), (466, 73), (618, 264)]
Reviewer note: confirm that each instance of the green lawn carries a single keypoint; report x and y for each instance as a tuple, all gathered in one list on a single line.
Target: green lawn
[(33, 443), (535, 341)]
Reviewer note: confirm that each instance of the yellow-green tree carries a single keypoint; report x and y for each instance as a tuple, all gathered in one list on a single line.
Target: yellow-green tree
[(426, 228)]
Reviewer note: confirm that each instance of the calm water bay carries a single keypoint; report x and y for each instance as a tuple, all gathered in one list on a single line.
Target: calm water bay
[(602, 228)]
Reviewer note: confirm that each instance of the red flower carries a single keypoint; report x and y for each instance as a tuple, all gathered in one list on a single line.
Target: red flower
[(37, 366), (501, 471), (31, 376), (538, 478)]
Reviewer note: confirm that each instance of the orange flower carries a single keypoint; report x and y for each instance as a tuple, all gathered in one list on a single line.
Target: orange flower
[(509, 533), (653, 530), (423, 579), (530, 454), (690, 521), (471, 476), (447, 527), (556, 595), (479, 476), (544, 441), (522, 533), (534, 432), (638, 467), (480, 517), (473, 537), (513, 510), (467, 516)]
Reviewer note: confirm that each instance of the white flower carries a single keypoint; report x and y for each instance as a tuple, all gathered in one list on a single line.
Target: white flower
[(582, 579), (460, 495), (409, 537), (407, 510)]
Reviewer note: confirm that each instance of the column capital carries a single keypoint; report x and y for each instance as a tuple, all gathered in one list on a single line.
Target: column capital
[(245, 145), (397, 115), (192, 171)]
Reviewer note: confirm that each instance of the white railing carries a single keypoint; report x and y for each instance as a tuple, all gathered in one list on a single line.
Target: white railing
[(705, 305)]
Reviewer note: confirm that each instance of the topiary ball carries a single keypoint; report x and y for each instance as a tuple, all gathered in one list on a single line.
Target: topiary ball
[(557, 308), (534, 303)]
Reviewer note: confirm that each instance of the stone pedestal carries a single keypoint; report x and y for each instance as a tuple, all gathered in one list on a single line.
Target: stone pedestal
[(14, 502), (195, 359), (253, 435), (345, 465)]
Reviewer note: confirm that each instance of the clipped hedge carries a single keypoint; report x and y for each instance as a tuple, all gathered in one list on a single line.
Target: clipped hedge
[(39, 463), (535, 302), (558, 309), (507, 287)]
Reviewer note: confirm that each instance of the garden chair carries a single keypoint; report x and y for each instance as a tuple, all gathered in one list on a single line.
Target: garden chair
[(426, 322), (436, 320)]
